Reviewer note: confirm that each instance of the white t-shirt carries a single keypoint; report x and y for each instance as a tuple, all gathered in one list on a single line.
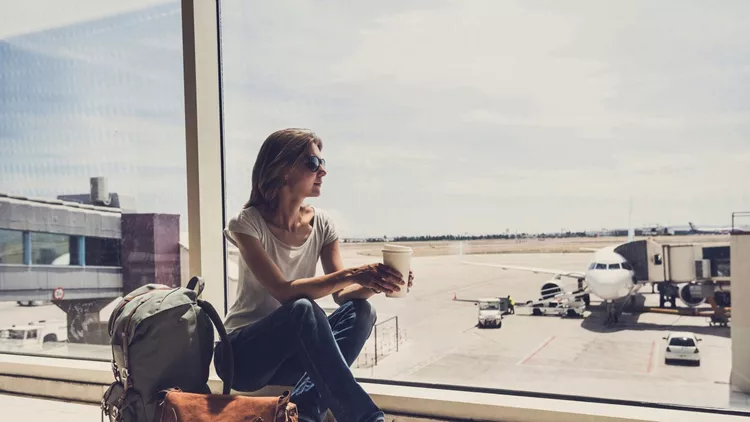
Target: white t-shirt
[(253, 300)]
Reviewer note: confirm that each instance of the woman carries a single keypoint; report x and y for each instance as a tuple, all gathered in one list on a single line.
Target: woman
[(279, 335)]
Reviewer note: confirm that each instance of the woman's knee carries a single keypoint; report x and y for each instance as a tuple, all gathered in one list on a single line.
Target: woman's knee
[(304, 308), (365, 311)]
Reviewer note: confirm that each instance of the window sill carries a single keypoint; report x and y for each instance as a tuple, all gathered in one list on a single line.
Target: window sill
[(85, 381)]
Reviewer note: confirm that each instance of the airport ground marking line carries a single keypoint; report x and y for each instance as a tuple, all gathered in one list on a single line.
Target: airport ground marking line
[(537, 350), (431, 360), (575, 368), (651, 357)]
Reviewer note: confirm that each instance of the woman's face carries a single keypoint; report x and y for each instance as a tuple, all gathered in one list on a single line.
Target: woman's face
[(302, 180)]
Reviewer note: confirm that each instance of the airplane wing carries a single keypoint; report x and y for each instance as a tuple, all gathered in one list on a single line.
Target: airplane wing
[(561, 273)]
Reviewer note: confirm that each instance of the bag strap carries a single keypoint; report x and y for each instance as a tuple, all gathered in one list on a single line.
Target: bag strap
[(196, 282), (227, 354)]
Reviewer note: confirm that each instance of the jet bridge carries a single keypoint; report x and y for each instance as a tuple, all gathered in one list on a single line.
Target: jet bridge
[(689, 272)]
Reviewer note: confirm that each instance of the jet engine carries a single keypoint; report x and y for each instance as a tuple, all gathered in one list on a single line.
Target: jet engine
[(691, 294), (551, 288)]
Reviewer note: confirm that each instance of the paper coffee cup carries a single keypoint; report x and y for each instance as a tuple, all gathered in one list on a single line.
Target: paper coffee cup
[(399, 258)]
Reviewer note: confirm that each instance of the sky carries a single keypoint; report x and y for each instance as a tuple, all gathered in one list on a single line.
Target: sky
[(437, 116)]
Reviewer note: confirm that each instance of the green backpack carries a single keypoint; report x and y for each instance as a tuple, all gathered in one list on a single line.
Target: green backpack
[(162, 337)]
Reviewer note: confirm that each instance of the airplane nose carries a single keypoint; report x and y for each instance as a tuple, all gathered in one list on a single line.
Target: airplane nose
[(610, 285)]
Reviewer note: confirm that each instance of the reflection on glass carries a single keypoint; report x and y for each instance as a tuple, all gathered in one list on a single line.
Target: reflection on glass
[(515, 135), (50, 249), (92, 168), (11, 247), (682, 341)]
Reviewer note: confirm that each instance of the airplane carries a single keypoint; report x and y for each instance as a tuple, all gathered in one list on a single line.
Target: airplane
[(720, 230), (609, 276)]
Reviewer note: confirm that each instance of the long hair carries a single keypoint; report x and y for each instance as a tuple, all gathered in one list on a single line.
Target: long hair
[(280, 152)]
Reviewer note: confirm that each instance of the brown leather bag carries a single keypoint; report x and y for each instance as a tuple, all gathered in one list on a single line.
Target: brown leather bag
[(179, 406), (188, 407)]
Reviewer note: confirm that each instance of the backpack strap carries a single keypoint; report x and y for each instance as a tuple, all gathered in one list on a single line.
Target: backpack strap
[(124, 373), (226, 351)]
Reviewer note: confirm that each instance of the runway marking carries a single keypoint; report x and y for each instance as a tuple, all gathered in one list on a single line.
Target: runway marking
[(429, 361), (651, 357), (537, 350), (577, 369)]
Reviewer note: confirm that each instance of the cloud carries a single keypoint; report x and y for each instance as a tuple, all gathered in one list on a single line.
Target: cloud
[(437, 117), (39, 15)]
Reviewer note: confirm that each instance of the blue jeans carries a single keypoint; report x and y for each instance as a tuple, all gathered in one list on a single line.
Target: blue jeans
[(297, 344)]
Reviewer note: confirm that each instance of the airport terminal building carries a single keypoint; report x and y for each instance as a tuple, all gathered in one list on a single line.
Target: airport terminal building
[(81, 252)]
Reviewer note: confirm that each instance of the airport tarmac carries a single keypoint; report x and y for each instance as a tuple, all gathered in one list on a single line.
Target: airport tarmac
[(542, 354), (440, 343)]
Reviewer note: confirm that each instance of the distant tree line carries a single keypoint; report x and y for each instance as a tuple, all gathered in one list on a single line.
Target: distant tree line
[(454, 237), (509, 236)]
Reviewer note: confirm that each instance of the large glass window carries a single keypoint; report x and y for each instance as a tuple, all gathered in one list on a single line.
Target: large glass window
[(11, 247), (517, 135), (92, 167), (50, 249)]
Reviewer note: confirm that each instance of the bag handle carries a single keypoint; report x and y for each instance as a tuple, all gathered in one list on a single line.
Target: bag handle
[(226, 352), (196, 282)]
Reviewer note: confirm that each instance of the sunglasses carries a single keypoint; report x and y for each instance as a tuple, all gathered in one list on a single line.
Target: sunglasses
[(315, 163)]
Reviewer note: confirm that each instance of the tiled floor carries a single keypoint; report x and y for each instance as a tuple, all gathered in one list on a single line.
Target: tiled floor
[(27, 409)]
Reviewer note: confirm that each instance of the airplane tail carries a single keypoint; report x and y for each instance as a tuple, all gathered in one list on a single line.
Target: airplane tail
[(692, 226)]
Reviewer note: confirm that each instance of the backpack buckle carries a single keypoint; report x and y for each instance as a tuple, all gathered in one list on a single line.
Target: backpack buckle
[(111, 412), (124, 375), (115, 414)]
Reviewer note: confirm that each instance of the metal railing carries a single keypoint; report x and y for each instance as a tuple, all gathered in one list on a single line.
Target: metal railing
[(737, 215), (385, 339)]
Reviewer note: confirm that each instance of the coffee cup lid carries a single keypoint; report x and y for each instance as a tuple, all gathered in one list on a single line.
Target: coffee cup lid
[(396, 248)]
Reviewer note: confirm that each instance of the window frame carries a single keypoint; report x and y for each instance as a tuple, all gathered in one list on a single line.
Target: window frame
[(204, 145)]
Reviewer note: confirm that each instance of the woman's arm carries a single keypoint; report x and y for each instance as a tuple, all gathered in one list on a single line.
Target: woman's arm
[(269, 275), (330, 257)]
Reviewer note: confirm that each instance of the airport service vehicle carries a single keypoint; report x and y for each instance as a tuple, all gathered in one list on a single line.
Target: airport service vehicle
[(490, 314), (573, 308), (34, 334), (682, 346)]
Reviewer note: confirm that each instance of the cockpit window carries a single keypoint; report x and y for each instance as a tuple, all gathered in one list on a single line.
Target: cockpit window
[(601, 266), (627, 266), (614, 266), (592, 266)]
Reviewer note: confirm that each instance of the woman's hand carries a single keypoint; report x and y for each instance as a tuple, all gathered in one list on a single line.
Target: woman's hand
[(378, 278), (411, 279)]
